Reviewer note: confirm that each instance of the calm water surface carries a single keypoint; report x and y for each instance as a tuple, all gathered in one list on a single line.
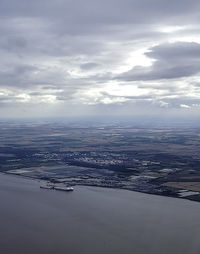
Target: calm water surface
[(94, 220)]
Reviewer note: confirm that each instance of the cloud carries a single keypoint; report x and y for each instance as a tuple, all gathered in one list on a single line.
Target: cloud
[(89, 66), (172, 60), (138, 53), (184, 106)]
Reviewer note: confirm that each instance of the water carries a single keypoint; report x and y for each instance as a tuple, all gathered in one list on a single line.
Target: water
[(94, 220)]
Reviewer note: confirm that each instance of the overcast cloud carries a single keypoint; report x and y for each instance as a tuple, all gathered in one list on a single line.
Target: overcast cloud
[(89, 57)]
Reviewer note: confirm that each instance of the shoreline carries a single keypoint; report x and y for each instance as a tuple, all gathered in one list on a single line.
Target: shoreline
[(99, 186)]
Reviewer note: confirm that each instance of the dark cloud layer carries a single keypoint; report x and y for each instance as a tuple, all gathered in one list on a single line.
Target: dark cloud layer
[(172, 60)]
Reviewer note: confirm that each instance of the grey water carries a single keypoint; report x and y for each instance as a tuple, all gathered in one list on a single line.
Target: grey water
[(94, 220)]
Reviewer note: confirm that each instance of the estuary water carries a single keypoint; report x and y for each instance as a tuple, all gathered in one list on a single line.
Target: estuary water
[(94, 220)]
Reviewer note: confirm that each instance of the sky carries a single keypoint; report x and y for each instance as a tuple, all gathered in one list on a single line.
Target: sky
[(128, 58)]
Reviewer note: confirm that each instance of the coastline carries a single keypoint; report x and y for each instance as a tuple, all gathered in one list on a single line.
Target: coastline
[(100, 186)]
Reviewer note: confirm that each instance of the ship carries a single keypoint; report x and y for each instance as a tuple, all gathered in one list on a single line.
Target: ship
[(46, 187), (63, 188), (59, 188)]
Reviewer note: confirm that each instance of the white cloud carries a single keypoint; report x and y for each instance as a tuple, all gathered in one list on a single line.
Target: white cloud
[(184, 106)]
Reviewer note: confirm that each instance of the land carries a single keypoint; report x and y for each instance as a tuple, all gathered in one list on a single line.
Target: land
[(163, 161)]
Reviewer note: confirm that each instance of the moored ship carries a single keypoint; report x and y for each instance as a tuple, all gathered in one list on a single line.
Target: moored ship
[(63, 188), (53, 187)]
